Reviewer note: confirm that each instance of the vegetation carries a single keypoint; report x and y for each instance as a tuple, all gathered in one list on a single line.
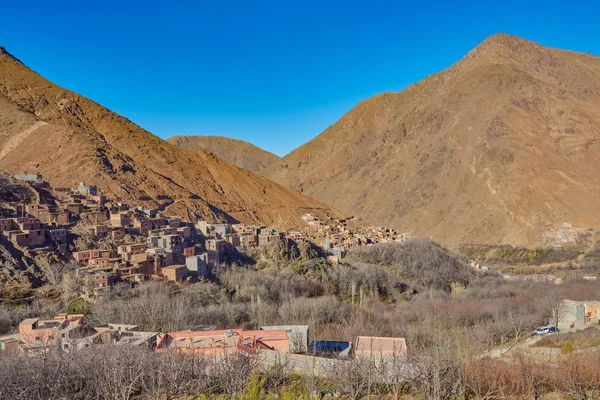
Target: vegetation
[(389, 290), (124, 372), (509, 255)]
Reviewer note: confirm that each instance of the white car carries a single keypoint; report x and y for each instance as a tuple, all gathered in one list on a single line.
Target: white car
[(544, 330)]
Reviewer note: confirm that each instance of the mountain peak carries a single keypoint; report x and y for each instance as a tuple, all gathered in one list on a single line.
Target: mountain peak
[(474, 154), (503, 39), (503, 45)]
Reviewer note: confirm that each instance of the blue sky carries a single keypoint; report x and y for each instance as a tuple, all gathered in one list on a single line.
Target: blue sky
[(274, 73)]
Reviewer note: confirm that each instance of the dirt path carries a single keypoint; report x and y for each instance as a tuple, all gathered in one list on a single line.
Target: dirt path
[(14, 141), (510, 348)]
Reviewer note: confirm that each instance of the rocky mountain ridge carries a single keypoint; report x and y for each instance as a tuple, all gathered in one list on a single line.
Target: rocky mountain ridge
[(498, 148)]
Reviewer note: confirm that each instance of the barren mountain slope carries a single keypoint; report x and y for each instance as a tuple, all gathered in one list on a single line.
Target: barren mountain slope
[(68, 138), (495, 149), (237, 152)]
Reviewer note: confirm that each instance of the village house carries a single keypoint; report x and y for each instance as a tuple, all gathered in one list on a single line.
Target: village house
[(202, 227), (36, 334), (184, 231), (117, 233), (27, 238), (56, 235), (248, 240), (129, 337), (95, 217), (105, 262), (158, 222), (39, 211), (60, 218), (220, 231), (74, 208), (233, 240), (223, 342), (198, 264), (120, 219), (142, 226), (86, 190), (100, 278), (91, 254), (269, 236), (220, 246), (31, 178), (175, 273), (171, 242), (578, 314), (8, 224), (379, 348), (126, 250), (150, 212), (297, 336), (173, 222), (159, 258)]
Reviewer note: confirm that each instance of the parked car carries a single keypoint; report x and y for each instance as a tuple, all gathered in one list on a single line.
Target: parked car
[(544, 330)]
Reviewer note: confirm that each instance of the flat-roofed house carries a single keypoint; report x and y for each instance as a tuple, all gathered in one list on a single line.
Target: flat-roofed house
[(297, 335), (38, 334), (223, 342), (577, 314), (175, 273), (379, 347)]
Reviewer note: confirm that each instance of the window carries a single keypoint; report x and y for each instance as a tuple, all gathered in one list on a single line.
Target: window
[(66, 346), (38, 338)]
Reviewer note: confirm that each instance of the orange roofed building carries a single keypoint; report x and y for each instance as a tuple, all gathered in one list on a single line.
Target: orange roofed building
[(36, 333), (223, 342)]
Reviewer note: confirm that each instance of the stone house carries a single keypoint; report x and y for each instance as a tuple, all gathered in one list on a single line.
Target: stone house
[(578, 314), (197, 264), (28, 238), (56, 235), (121, 219), (175, 273)]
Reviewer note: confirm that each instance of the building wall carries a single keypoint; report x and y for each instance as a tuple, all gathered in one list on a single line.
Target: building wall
[(31, 238), (592, 313), (29, 335), (175, 274), (572, 317)]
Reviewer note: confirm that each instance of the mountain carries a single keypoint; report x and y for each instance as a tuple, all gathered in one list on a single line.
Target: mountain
[(68, 138), (237, 152), (495, 149)]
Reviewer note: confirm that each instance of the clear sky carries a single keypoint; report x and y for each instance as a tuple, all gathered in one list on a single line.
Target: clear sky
[(274, 73)]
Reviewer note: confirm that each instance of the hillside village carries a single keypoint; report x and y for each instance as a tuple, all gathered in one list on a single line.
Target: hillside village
[(115, 242), (132, 244)]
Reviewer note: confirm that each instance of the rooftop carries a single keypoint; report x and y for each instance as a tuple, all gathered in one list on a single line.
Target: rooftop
[(176, 266)]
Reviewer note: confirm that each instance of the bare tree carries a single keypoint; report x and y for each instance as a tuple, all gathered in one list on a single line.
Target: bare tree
[(231, 373), (557, 310), (353, 378)]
